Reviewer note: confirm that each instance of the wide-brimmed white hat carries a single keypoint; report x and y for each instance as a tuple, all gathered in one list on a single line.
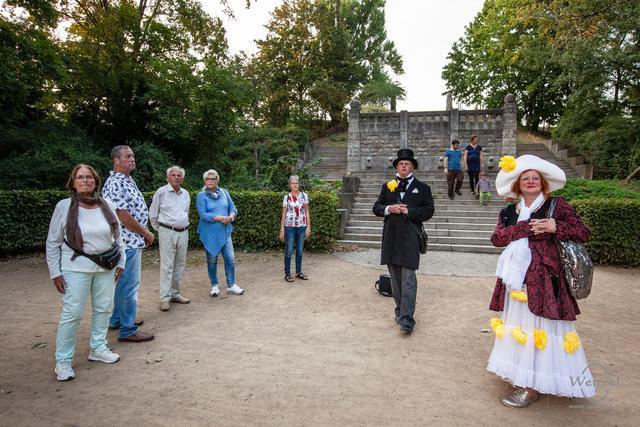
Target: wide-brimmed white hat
[(511, 169)]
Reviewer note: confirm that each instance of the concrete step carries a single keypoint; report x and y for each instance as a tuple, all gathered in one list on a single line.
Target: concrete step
[(492, 220), (449, 226), (433, 238), (466, 212), (443, 232), (432, 246)]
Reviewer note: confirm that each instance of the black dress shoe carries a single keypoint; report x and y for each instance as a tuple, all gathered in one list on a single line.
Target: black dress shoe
[(458, 193), (407, 329)]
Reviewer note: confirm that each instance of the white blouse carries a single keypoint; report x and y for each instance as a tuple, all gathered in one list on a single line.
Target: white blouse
[(96, 236)]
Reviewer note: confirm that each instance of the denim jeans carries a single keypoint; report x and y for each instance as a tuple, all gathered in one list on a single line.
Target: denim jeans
[(79, 286), (125, 302), (229, 264), (293, 238)]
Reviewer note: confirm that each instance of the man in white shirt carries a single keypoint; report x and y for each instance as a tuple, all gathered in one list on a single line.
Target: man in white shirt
[(169, 216)]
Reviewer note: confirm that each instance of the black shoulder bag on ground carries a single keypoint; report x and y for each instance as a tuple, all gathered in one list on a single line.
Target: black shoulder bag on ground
[(107, 260), (383, 285), (578, 267), (422, 234)]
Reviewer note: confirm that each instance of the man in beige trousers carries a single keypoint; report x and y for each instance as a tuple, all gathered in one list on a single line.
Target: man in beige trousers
[(169, 216)]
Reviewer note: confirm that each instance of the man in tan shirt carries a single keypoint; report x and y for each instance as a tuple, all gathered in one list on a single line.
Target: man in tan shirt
[(169, 216)]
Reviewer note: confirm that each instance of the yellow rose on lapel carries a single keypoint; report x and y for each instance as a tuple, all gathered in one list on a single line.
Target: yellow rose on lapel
[(392, 185), (508, 163)]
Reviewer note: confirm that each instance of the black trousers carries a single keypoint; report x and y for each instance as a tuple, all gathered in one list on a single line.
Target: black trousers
[(404, 286), (474, 177)]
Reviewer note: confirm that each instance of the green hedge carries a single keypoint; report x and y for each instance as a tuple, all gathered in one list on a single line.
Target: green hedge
[(25, 216), (603, 189), (615, 229)]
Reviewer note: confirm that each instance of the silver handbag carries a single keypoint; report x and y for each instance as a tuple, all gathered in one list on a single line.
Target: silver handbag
[(578, 267)]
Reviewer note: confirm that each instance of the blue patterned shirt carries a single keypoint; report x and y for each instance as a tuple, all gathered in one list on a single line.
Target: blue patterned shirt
[(123, 192)]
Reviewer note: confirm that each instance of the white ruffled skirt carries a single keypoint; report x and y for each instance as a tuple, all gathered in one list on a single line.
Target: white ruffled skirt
[(557, 368)]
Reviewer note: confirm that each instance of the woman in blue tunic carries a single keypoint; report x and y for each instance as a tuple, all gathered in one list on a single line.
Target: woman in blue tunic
[(217, 214), (473, 161)]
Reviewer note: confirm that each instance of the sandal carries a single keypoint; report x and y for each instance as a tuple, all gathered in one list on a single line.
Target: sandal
[(288, 278), (301, 276)]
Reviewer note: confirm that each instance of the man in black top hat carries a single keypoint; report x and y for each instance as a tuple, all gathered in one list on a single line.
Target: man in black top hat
[(404, 202)]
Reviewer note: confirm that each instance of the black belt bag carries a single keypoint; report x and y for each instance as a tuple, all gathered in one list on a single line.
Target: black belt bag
[(107, 260)]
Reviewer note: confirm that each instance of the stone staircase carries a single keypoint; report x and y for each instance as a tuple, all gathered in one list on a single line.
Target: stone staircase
[(458, 225), (329, 157), (540, 150)]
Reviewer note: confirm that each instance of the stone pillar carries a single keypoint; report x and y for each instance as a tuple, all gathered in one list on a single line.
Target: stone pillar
[(404, 129), (454, 124), (449, 102), (509, 126), (353, 139)]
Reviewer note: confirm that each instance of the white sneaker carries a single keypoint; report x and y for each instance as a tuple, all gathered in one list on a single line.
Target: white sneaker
[(106, 356), (215, 291), (235, 290), (64, 371)]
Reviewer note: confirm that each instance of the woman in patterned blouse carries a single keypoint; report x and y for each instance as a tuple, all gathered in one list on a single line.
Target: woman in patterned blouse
[(295, 226), (537, 348)]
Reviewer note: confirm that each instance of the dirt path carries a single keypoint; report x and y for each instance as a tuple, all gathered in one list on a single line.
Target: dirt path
[(321, 352)]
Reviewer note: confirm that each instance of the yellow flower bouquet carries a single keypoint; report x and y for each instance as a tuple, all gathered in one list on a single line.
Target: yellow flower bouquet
[(392, 185)]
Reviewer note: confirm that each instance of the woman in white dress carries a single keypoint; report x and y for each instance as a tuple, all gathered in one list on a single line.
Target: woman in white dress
[(537, 348)]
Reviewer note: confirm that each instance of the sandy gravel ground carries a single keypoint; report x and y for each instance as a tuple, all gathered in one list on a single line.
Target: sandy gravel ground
[(321, 352)]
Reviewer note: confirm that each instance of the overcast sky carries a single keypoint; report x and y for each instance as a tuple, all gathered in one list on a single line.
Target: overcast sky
[(423, 31)]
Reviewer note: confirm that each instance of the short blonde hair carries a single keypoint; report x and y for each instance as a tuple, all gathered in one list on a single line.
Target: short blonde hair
[(211, 172), (294, 178), (175, 168)]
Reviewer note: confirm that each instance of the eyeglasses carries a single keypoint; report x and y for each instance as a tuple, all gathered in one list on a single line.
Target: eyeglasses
[(211, 179), (530, 179), (85, 178)]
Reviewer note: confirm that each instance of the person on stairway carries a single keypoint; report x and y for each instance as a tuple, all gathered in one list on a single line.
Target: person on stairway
[(404, 202), (453, 169), (473, 161)]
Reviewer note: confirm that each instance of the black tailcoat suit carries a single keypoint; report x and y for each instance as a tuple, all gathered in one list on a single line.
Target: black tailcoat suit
[(400, 240), (401, 244)]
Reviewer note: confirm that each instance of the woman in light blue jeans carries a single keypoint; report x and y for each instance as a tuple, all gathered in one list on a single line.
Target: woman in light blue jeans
[(83, 224), (295, 226), (217, 214)]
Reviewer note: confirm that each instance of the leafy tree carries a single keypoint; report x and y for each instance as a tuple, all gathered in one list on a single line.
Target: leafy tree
[(318, 54), (501, 53)]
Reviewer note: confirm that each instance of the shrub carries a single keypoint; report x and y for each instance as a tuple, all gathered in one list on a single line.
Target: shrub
[(588, 189), (25, 216), (615, 234)]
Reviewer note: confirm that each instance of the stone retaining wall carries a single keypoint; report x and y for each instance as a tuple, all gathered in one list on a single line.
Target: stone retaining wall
[(374, 138)]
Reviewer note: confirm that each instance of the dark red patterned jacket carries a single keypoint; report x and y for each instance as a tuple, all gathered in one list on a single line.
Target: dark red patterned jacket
[(547, 291)]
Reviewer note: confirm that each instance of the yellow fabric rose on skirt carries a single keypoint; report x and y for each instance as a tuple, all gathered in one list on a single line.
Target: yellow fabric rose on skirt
[(508, 163), (571, 342), (495, 322), (519, 336), (540, 338), (392, 185), (500, 331), (519, 296)]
